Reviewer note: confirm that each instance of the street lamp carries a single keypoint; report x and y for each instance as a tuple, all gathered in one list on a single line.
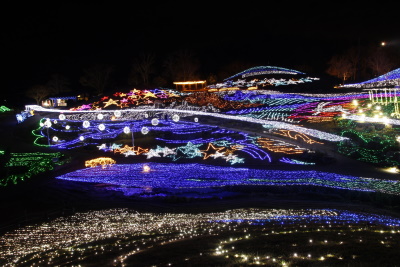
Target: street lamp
[(47, 124), (127, 130)]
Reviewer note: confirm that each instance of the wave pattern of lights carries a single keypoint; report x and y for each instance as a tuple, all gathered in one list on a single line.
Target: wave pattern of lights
[(189, 176), (279, 125)]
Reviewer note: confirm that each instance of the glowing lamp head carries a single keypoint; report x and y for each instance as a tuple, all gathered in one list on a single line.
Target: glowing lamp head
[(146, 168), (145, 130), (117, 113), (47, 123), (155, 121), (175, 117), (127, 130)]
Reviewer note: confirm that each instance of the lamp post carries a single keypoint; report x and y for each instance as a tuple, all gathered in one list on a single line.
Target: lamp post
[(47, 124), (128, 130)]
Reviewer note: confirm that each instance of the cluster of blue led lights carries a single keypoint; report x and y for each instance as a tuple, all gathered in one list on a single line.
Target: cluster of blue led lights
[(334, 217), (194, 175)]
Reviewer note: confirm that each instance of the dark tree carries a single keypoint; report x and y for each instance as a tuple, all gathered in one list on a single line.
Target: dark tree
[(341, 67), (380, 61), (97, 77), (58, 84), (38, 93), (182, 65), (142, 69)]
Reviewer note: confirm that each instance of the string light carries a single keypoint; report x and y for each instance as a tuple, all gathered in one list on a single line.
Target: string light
[(118, 235)]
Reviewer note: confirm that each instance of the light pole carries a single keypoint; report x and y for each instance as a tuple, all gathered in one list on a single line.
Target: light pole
[(128, 130), (47, 124)]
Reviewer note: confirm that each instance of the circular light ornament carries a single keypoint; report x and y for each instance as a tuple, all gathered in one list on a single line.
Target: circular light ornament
[(155, 121), (117, 113), (55, 121), (86, 124), (196, 119), (41, 124), (61, 117), (47, 123), (100, 116), (67, 127), (145, 130), (146, 115), (175, 117), (81, 138), (127, 130), (101, 127), (55, 138)]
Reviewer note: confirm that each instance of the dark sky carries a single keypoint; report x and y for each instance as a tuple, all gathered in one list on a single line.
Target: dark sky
[(64, 37)]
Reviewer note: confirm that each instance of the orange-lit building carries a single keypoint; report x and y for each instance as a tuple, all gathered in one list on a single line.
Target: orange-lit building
[(190, 86)]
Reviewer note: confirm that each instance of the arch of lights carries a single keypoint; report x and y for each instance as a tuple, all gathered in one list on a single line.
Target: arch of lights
[(390, 79), (118, 236), (262, 70)]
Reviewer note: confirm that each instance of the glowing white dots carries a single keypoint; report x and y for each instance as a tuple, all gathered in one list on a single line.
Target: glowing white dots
[(101, 127), (100, 116), (117, 113), (47, 123), (86, 124), (81, 138), (127, 130), (61, 117), (55, 139), (175, 117), (155, 121), (145, 130)]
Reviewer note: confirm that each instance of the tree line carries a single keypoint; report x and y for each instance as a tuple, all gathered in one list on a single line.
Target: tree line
[(360, 63), (357, 63), (145, 72)]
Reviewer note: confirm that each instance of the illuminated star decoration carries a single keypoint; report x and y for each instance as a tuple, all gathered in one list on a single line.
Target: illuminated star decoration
[(110, 102), (129, 153), (190, 150), (152, 153), (211, 150), (166, 151), (103, 147), (232, 159)]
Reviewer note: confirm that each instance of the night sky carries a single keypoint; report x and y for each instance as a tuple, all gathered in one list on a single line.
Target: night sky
[(62, 37)]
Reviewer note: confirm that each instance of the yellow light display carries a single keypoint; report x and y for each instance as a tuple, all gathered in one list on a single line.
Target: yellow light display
[(104, 162)]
